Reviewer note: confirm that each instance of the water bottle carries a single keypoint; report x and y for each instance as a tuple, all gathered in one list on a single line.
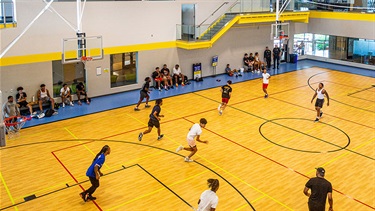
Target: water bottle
[(33, 98)]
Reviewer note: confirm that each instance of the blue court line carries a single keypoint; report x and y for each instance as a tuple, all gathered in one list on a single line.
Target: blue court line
[(118, 100)]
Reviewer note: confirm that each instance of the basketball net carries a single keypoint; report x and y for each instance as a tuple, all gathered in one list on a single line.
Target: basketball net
[(84, 59)]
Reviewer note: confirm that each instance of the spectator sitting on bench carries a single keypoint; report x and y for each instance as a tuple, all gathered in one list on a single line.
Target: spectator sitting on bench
[(22, 102), (231, 72), (158, 77), (81, 91), (167, 77), (65, 95), (44, 96), (177, 75)]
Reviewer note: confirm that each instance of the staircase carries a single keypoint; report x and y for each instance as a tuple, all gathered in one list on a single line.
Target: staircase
[(216, 27)]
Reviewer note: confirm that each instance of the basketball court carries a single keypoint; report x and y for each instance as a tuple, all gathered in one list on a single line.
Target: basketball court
[(263, 151)]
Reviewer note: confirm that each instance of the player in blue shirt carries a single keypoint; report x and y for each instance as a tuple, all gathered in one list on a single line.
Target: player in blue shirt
[(94, 173)]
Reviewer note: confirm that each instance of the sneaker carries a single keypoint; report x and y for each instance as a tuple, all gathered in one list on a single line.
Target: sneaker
[(55, 113), (265, 96), (176, 85), (88, 102), (321, 114), (71, 104), (91, 197), (316, 120), (187, 159), (160, 137), (79, 103), (159, 89), (136, 109), (147, 106), (166, 89), (182, 84), (179, 148), (240, 75), (83, 195), (220, 112), (63, 105), (140, 136)]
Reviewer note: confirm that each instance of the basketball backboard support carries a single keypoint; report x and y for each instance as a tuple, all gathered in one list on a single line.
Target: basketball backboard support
[(279, 31), (76, 48)]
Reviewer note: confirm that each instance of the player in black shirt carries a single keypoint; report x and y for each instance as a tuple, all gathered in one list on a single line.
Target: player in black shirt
[(226, 92), (80, 89), (144, 94), (320, 188), (21, 100), (154, 120), (276, 56), (267, 57)]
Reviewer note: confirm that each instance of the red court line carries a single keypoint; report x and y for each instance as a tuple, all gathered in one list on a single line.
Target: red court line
[(324, 113), (66, 169), (274, 161)]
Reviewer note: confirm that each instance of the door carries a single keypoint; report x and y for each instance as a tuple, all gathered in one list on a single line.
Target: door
[(188, 22)]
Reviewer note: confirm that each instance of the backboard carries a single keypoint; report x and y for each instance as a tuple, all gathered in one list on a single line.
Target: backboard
[(279, 31), (76, 48)]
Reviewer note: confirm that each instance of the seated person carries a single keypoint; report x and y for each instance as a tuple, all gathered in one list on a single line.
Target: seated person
[(246, 62), (177, 74), (158, 77), (65, 95), (44, 96), (80, 88), (231, 72), (167, 76), (251, 61), (21, 100), (257, 62)]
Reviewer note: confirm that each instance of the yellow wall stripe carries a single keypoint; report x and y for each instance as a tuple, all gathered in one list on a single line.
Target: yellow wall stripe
[(343, 16)]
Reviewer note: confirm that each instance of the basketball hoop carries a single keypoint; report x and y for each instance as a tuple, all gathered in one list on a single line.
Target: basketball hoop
[(84, 59), (13, 125)]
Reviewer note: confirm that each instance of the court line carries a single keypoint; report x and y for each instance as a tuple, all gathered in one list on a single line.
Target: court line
[(8, 191), (274, 161), (66, 169), (308, 82)]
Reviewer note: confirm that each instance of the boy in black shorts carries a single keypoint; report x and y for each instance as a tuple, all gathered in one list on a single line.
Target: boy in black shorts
[(144, 94), (154, 120), (21, 100)]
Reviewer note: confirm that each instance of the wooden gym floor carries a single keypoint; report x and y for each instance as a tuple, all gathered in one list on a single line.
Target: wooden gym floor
[(263, 151)]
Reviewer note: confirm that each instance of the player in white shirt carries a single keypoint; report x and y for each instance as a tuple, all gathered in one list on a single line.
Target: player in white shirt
[(319, 93), (177, 74), (266, 79), (194, 132), (66, 95), (209, 200)]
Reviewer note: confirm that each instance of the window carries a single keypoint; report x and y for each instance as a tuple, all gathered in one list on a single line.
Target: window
[(123, 69), (71, 74)]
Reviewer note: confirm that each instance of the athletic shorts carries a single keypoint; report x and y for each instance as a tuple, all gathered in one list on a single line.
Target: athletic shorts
[(191, 142), (225, 100), (144, 94), (265, 86), (23, 104), (314, 206), (45, 99), (152, 123), (319, 103), (158, 79)]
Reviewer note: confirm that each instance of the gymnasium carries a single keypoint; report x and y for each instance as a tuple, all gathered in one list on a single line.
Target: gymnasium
[(261, 150)]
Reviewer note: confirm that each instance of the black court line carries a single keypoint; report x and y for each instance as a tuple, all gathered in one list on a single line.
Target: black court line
[(64, 188), (340, 148), (308, 82), (125, 142)]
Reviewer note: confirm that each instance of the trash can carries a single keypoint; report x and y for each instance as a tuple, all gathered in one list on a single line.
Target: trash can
[(293, 58)]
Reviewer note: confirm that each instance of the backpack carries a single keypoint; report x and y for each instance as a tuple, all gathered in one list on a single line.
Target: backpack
[(57, 105), (49, 112)]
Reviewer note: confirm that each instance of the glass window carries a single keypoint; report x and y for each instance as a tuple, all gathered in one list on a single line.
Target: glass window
[(71, 74), (123, 69)]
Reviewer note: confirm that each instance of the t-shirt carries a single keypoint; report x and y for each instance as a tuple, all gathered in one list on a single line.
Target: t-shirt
[(156, 109), (246, 60), (194, 131), (99, 161), (267, 54), (276, 52), (64, 91), (10, 109), (320, 187), (80, 87), (228, 70), (145, 87), (208, 200), (155, 74), (226, 90), (266, 77), (165, 71), (23, 95), (177, 71)]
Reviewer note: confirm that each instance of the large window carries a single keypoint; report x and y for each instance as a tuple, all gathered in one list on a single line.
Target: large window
[(71, 74), (123, 69)]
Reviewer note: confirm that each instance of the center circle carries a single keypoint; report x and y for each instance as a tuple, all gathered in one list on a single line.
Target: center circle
[(276, 122)]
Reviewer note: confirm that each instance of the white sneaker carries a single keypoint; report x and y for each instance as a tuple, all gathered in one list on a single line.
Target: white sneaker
[(179, 148), (220, 112), (187, 159), (71, 104), (63, 105)]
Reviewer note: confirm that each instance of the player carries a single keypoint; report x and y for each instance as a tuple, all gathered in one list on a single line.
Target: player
[(226, 92), (320, 92), (266, 78), (195, 131), (320, 189), (94, 173), (209, 200), (154, 120), (144, 94)]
